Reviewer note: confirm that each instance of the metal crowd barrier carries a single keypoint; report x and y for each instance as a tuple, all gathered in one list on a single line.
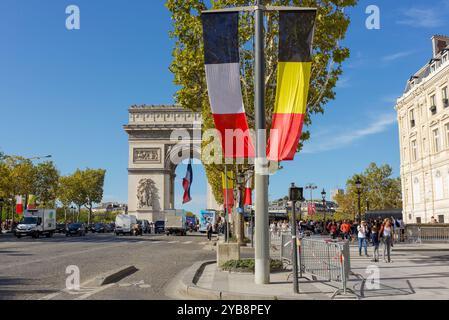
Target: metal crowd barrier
[(422, 234), (326, 260)]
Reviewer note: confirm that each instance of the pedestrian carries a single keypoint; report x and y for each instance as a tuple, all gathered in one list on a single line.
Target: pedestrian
[(345, 230), (209, 229), (386, 233), (376, 242), (333, 230), (361, 235)]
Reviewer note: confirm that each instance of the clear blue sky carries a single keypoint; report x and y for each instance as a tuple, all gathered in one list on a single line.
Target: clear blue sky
[(66, 93)]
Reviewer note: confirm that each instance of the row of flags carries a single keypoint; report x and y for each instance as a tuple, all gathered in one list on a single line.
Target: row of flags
[(31, 204), (222, 64)]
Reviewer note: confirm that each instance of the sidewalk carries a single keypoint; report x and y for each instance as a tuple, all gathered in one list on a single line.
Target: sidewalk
[(411, 275)]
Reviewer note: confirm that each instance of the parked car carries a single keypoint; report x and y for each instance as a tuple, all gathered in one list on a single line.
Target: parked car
[(90, 228), (75, 229), (109, 227), (145, 224), (60, 227), (99, 228), (159, 227)]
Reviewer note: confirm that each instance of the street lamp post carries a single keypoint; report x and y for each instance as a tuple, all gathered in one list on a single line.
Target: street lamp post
[(358, 185), (311, 187), (261, 252), (323, 194), (240, 210), (295, 195)]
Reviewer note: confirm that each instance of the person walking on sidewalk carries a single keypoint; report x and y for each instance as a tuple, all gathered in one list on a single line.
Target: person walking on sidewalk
[(209, 229), (361, 235), (386, 232), (376, 242)]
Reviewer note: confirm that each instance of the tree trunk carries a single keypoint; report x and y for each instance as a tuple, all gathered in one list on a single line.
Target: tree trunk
[(65, 214), (89, 216), (79, 214)]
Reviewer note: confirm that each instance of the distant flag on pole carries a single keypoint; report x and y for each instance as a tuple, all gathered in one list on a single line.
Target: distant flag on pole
[(222, 59), (19, 205), (228, 193), (296, 29), (31, 205), (187, 183), (248, 190)]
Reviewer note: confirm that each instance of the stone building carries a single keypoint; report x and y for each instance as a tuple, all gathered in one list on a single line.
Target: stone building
[(423, 116)]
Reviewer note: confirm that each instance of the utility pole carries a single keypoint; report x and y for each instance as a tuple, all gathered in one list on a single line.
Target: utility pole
[(262, 254)]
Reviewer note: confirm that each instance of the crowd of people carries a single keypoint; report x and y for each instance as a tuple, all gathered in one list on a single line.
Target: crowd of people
[(366, 233)]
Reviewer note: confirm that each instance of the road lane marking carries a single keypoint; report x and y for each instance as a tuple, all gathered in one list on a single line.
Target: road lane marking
[(95, 291), (187, 242), (171, 242)]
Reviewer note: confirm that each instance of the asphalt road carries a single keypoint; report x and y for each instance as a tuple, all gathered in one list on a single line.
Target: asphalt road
[(36, 269)]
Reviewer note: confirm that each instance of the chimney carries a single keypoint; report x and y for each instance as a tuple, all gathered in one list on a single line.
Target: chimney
[(439, 43)]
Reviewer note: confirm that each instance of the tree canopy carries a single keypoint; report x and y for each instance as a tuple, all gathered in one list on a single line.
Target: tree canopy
[(188, 61), (380, 191)]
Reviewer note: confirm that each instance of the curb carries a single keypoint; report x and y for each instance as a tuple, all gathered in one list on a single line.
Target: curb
[(421, 250), (115, 275), (188, 287)]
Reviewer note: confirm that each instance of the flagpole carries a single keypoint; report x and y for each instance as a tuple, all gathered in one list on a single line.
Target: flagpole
[(262, 255), (226, 204)]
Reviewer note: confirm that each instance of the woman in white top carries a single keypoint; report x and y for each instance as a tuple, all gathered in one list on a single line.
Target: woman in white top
[(362, 232)]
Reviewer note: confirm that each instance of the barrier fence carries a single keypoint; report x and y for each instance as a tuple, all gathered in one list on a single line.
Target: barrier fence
[(423, 234), (326, 260)]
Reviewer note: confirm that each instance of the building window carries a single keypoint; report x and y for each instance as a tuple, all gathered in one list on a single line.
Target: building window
[(441, 219), (412, 118), (446, 126), (414, 149), (445, 97), (432, 68), (433, 106), (436, 140), (444, 58)]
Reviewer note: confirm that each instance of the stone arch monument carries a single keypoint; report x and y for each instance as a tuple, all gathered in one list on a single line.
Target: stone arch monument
[(151, 169)]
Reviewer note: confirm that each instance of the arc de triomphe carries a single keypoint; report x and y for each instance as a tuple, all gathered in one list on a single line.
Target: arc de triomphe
[(151, 169)]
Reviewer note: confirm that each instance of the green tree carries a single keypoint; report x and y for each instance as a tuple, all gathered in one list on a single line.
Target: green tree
[(93, 184), (46, 184), (65, 194), (77, 191), (188, 61), (380, 191)]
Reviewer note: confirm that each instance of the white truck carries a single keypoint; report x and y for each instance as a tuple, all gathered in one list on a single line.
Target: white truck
[(124, 224), (37, 223), (175, 222)]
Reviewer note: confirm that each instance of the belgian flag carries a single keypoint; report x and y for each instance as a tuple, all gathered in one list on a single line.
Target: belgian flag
[(296, 30), (228, 190)]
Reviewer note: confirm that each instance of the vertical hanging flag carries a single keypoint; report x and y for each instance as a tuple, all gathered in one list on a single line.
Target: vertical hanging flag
[(187, 183), (31, 205), (296, 29), (248, 190), (228, 191), (221, 56), (19, 205)]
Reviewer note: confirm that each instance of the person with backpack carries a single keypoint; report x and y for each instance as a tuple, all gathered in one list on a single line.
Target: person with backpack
[(376, 242), (209, 230)]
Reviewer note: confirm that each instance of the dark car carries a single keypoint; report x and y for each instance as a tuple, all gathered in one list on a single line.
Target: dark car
[(60, 227), (75, 229), (159, 227), (99, 228), (108, 227)]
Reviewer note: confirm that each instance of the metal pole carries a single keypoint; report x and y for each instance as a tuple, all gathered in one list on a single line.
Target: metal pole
[(226, 204), (262, 255), (294, 250), (359, 208)]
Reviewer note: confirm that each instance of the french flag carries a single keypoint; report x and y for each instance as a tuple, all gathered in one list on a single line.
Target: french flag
[(187, 183), (19, 205), (248, 190), (222, 60)]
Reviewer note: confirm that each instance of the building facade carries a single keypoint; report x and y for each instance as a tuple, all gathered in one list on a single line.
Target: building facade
[(423, 117)]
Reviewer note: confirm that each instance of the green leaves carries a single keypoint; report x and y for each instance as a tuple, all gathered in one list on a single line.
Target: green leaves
[(379, 190)]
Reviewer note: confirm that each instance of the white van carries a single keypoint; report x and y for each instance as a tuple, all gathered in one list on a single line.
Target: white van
[(124, 224), (37, 223)]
